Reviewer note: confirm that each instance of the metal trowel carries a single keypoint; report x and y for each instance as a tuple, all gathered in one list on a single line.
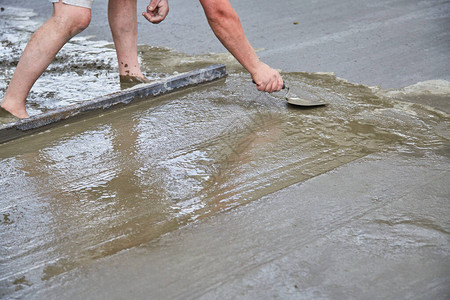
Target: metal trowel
[(300, 101)]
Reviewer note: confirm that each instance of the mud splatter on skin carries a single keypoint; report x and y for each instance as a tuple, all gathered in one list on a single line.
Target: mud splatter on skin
[(82, 70)]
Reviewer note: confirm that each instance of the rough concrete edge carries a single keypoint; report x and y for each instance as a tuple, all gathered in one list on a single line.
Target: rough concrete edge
[(30, 125)]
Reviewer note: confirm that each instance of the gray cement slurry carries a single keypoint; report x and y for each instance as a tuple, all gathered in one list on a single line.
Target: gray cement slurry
[(376, 228), (130, 176), (38, 122)]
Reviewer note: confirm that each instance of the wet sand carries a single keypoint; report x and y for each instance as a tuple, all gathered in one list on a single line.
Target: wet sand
[(222, 192)]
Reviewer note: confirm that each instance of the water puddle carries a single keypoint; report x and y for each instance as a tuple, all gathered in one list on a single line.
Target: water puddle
[(92, 188)]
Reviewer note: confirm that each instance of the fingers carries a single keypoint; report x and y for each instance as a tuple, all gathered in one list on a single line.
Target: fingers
[(279, 85), (267, 79), (155, 19), (275, 84), (157, 11), (152, 5)]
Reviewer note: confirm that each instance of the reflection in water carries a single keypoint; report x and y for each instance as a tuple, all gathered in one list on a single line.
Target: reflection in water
[(99, 186)]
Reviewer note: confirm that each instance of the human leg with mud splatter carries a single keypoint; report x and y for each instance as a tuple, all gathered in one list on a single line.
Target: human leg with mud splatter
[(65, 22), (68, 20), (122, 16)]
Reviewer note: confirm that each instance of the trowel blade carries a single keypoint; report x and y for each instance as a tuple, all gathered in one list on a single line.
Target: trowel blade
[(304, 102)]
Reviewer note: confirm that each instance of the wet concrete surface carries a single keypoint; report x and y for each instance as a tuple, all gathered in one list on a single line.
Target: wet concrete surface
[(225, 192), (347, 234), (40, 122)]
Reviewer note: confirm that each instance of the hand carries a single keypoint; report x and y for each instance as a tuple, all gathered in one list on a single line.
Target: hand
[(267, 79), (157, 11)]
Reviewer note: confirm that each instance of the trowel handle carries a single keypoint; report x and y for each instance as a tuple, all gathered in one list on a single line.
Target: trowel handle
[(284, 85)]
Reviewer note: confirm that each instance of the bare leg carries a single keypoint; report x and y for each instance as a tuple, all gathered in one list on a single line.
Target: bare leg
[(122, 15), (65, 22)]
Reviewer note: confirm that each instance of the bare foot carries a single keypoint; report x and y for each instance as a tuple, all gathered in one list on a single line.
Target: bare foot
[(17, 111), (127, 81)]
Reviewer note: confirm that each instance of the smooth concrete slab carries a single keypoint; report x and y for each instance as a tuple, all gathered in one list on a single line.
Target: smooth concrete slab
[(38, 122), (377, 228)]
